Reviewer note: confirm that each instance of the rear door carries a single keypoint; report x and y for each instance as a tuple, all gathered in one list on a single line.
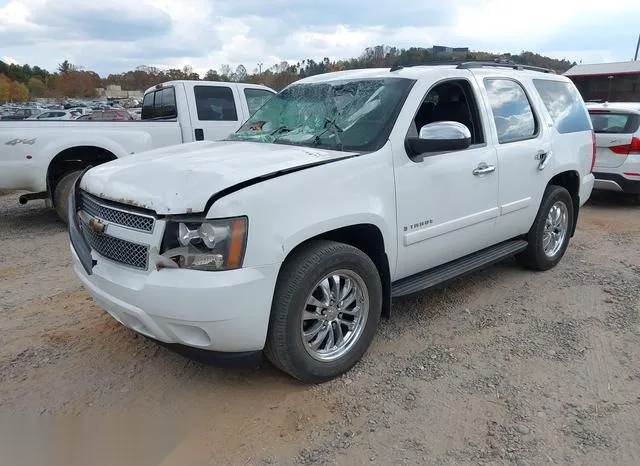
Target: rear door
[(615, 131), (522, 143)]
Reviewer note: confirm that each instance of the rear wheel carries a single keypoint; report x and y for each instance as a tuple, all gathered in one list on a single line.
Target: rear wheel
[(549, 235), (325, 311), (61, 194)]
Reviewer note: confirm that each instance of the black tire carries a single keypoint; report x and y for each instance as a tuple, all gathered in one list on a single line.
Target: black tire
[(534, 257), (61, 195), (298, 278)]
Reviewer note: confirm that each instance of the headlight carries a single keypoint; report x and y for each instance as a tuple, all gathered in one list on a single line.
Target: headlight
[(208, 245)]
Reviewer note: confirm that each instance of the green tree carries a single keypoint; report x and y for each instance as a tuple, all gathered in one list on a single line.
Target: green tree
[(65, 67)]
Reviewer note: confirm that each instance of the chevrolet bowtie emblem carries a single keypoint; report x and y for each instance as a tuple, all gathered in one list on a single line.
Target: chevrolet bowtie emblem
[(97, 226)]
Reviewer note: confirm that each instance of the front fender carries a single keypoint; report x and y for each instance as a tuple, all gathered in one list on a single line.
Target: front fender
[(285, 211)]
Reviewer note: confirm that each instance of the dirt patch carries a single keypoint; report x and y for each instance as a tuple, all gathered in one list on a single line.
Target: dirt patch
[(503, 367)]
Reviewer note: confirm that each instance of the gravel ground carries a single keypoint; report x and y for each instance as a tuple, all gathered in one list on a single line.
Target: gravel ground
[(506, 366)]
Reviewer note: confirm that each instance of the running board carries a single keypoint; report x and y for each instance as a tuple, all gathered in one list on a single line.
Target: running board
[(456, 268)]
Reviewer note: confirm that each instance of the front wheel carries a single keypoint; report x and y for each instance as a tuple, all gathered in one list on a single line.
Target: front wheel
[(549, 235), (325, 311)]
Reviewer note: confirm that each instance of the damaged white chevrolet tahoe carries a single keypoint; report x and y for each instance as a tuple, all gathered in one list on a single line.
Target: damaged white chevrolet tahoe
[(345, 190)]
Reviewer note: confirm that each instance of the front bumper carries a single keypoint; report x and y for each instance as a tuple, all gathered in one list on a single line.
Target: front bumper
[(226, 311)]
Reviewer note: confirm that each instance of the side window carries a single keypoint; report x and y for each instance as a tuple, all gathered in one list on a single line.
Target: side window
[(215, 103), (564, 104), (256, 98), (148, 110), (511, 109), (451, 101)]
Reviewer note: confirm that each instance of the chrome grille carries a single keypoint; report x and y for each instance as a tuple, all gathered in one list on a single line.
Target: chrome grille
[(116, 249), (113, 215)]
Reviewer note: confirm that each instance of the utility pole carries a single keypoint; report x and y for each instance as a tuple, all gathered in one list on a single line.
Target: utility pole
[(260, 67), (637, 49)]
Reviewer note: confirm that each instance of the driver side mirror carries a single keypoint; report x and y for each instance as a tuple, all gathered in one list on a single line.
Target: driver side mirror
[(440, 136)]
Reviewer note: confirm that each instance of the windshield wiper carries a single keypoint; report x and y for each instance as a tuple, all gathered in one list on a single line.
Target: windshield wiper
[(280, 129), (331, 125)]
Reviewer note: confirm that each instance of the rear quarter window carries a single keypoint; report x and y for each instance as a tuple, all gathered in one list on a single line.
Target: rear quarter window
[(564, 104), (614, 122)]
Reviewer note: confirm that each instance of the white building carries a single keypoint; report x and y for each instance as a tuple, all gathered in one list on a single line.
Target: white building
[(114, 91)]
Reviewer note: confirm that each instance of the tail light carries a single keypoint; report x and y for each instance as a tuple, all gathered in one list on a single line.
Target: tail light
[(626, 149), (593, 150)]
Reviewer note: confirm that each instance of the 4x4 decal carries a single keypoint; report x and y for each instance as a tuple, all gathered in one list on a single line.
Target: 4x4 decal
[(13, 142)]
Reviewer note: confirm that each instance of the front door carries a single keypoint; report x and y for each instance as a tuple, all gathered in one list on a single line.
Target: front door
[(446, 207)]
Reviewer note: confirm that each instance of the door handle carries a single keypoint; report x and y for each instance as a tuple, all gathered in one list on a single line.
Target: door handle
[(483, 169), (543, 157)]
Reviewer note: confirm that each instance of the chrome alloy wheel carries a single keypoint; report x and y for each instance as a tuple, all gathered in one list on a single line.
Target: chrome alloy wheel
[(335, 315), (555, 229)]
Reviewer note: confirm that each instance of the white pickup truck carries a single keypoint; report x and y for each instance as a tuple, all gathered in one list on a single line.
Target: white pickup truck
[(45, 157), (345, 190)]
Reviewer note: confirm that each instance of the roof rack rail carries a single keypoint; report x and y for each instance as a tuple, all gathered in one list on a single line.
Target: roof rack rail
[(515, 66), (467, 64), (396, 66)]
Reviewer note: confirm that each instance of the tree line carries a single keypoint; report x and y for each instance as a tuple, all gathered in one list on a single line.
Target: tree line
[(19, 83), (22, 82)]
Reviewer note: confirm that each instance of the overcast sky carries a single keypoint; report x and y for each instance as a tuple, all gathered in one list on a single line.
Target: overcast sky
[(118, 35)]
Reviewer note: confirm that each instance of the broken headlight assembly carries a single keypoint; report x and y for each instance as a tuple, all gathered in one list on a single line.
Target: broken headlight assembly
[(205, 245)]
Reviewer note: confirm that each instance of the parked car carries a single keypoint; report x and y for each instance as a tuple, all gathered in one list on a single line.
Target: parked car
[(45, 158), (617, 129), (52, 115), (108, 115), (346, 190), (20, 114)]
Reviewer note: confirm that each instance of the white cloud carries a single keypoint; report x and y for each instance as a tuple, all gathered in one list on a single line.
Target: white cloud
[(9, 60), (119, 35), (14, 13)]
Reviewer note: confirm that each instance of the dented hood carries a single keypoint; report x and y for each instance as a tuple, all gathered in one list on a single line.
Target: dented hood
[(181, 179)]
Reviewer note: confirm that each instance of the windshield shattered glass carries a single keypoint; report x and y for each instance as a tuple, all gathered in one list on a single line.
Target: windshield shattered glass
[(343, 115)]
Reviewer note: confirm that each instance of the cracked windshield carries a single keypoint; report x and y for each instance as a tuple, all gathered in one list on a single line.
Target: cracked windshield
[(344, 115)]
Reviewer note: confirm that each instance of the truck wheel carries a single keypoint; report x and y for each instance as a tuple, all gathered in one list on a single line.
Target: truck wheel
[(325, 311), (61, 194), (549, 235)]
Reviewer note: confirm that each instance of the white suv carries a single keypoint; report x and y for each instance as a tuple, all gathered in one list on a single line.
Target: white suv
[(345, 190), (617, 128)]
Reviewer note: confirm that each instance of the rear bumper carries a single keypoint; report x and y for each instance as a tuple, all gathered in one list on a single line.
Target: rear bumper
[(616, 182)]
